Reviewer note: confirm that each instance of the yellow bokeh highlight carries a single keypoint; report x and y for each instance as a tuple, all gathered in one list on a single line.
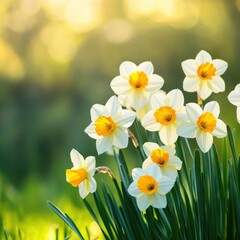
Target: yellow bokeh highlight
[(178, 13), (60, 41), (81, 15), (10, 63), (95, 231)]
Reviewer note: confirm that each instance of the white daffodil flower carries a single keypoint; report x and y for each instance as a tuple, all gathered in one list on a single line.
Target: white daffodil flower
[(82, 172), (203, 124), (109, 125), (203, 75), (150, 187), (136, 83), (166, 115), (164, 157), (234, 98)]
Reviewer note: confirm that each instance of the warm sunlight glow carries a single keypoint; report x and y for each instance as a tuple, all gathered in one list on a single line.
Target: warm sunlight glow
[(118, 31), (83, 14), (179, 13), (61, 49), (30, 7), (10, 63)]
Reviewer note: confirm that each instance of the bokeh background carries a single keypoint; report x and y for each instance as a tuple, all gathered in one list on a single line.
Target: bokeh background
[(57, 59)]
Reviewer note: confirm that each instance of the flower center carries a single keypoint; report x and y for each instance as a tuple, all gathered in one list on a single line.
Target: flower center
[(206, 71), (207, 122), (138, 80), (76, 176), (104, 126), (147, 184), (160, 157), (165, 115)]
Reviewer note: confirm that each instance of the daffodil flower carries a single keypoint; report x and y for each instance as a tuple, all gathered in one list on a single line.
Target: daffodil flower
[(166, 115), (203, 75), (82, 172), (109, 125), (135, 83), (164, 157), (234, 98), (203, 124), (150, 187)]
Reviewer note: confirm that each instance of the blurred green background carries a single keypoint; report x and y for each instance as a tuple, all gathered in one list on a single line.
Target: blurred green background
[(57, 59)]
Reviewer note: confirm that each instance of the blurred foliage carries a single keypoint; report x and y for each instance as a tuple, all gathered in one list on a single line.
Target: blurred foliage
[(57, 58)]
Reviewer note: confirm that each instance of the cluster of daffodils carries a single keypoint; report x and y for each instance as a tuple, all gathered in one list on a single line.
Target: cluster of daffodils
[(139, 98)]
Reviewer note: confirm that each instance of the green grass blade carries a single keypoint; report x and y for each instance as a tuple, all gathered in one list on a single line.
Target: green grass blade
[(5, 234), (106, 219), (92, 213), (66, 219)]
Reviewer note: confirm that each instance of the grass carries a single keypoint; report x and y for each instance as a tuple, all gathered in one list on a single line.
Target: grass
[(207, 188), (204, 203), (25, 215)]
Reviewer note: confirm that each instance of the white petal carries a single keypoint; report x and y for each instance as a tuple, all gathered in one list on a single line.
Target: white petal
[(126, 118), (84, 188), (137, 173), (168, 134), (220, 130), (120, 138), (166, 101), (123, 100), (170, 173), (157, 99), (137, 99), (203, 57), (159, 201), (77, 159), (237, 88), (204, 140), (141, 112), (155, 82), (145, 67), (93, 185), (148, 147), (234, 98), (187, 130), (193, 111), (90, 165), (176, 98), (149, 122), (113, 106), (134, 190), (238, 114), (127, 68), (147, 162), (205, 89), (212, 107), (189, 67), (143, 202), (154, 171), (165, 184), (120, 85), (220, 66), (181, 116), (191, 84), (98, 110), (175, 162), (170, 149), (91, 131), (103, 144), (217, 84)]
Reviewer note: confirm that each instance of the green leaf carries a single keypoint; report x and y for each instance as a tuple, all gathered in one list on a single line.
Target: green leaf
[(94, 216), (66, 219), (106, 219)]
